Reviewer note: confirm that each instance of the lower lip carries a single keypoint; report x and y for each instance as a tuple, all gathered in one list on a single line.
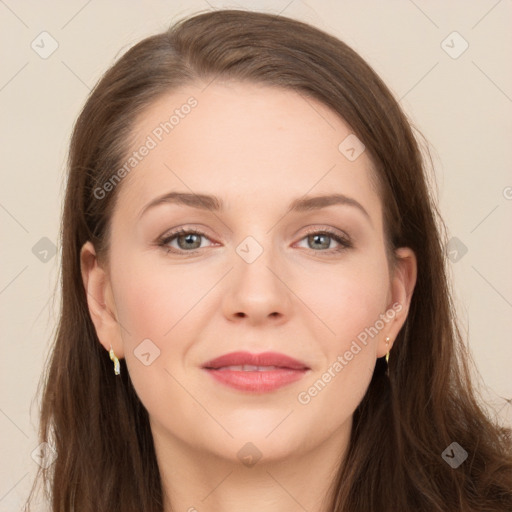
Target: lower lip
[(257, 382)]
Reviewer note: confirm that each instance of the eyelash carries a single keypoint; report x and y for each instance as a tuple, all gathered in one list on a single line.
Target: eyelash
[(163, 242)]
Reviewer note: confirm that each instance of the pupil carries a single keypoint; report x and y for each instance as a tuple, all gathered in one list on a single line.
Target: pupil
[(189, 239), (317, 238)]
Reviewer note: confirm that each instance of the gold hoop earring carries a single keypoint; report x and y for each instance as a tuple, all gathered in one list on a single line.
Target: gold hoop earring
[(117, 367), (387, 355)]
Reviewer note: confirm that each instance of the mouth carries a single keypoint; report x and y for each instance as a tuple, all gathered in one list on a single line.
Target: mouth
[(245, 361), (257, 373)]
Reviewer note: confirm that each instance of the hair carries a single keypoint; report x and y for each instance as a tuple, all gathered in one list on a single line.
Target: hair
[(411, 412)]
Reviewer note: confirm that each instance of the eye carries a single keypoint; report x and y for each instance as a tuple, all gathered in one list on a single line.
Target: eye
[(188, 240), (320, 241)]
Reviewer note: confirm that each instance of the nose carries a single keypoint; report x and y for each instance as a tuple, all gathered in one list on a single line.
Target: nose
[(256, 290)]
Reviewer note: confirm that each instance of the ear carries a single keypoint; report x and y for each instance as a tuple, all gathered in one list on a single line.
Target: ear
[(100, 300), (403, 280)]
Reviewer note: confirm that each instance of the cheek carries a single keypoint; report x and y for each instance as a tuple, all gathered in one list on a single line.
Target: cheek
[(152, 299), (346, 299), (157, 307), (161, 310), (350, 303)]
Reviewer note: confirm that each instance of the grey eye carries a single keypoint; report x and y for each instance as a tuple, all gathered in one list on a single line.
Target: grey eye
[(319, 241), (189, 241)]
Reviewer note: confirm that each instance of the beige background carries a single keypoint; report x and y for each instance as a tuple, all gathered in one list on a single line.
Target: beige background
[(462, 105)]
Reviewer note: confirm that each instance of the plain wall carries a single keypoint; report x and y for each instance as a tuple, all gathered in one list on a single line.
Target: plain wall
[(461, 103)]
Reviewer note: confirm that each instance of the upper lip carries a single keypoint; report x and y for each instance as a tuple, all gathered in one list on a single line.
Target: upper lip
[(263, 359)]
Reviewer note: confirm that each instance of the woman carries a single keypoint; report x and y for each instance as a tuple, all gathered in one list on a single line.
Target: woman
[(304, 354)]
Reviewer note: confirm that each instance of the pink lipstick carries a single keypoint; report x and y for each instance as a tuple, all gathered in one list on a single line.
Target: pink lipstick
[(258, 373)]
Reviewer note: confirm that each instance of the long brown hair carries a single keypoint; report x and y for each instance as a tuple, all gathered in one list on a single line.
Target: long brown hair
[(100, 430)]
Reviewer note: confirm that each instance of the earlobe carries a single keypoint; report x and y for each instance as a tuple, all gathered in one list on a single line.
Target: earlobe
[(100, 299)]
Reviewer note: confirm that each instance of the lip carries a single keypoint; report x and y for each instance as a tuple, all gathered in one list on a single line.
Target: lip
[(287, 370), (263, 359)]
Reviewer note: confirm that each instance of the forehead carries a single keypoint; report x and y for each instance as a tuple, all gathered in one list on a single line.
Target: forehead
[(244, 142)]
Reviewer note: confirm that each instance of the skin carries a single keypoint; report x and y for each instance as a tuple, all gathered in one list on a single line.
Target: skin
[(257, 148)]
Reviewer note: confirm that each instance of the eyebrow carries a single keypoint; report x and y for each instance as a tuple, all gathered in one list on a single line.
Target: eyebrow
[(215, 204)]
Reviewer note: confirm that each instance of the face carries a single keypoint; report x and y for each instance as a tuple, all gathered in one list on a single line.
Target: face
[(255, 275)]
